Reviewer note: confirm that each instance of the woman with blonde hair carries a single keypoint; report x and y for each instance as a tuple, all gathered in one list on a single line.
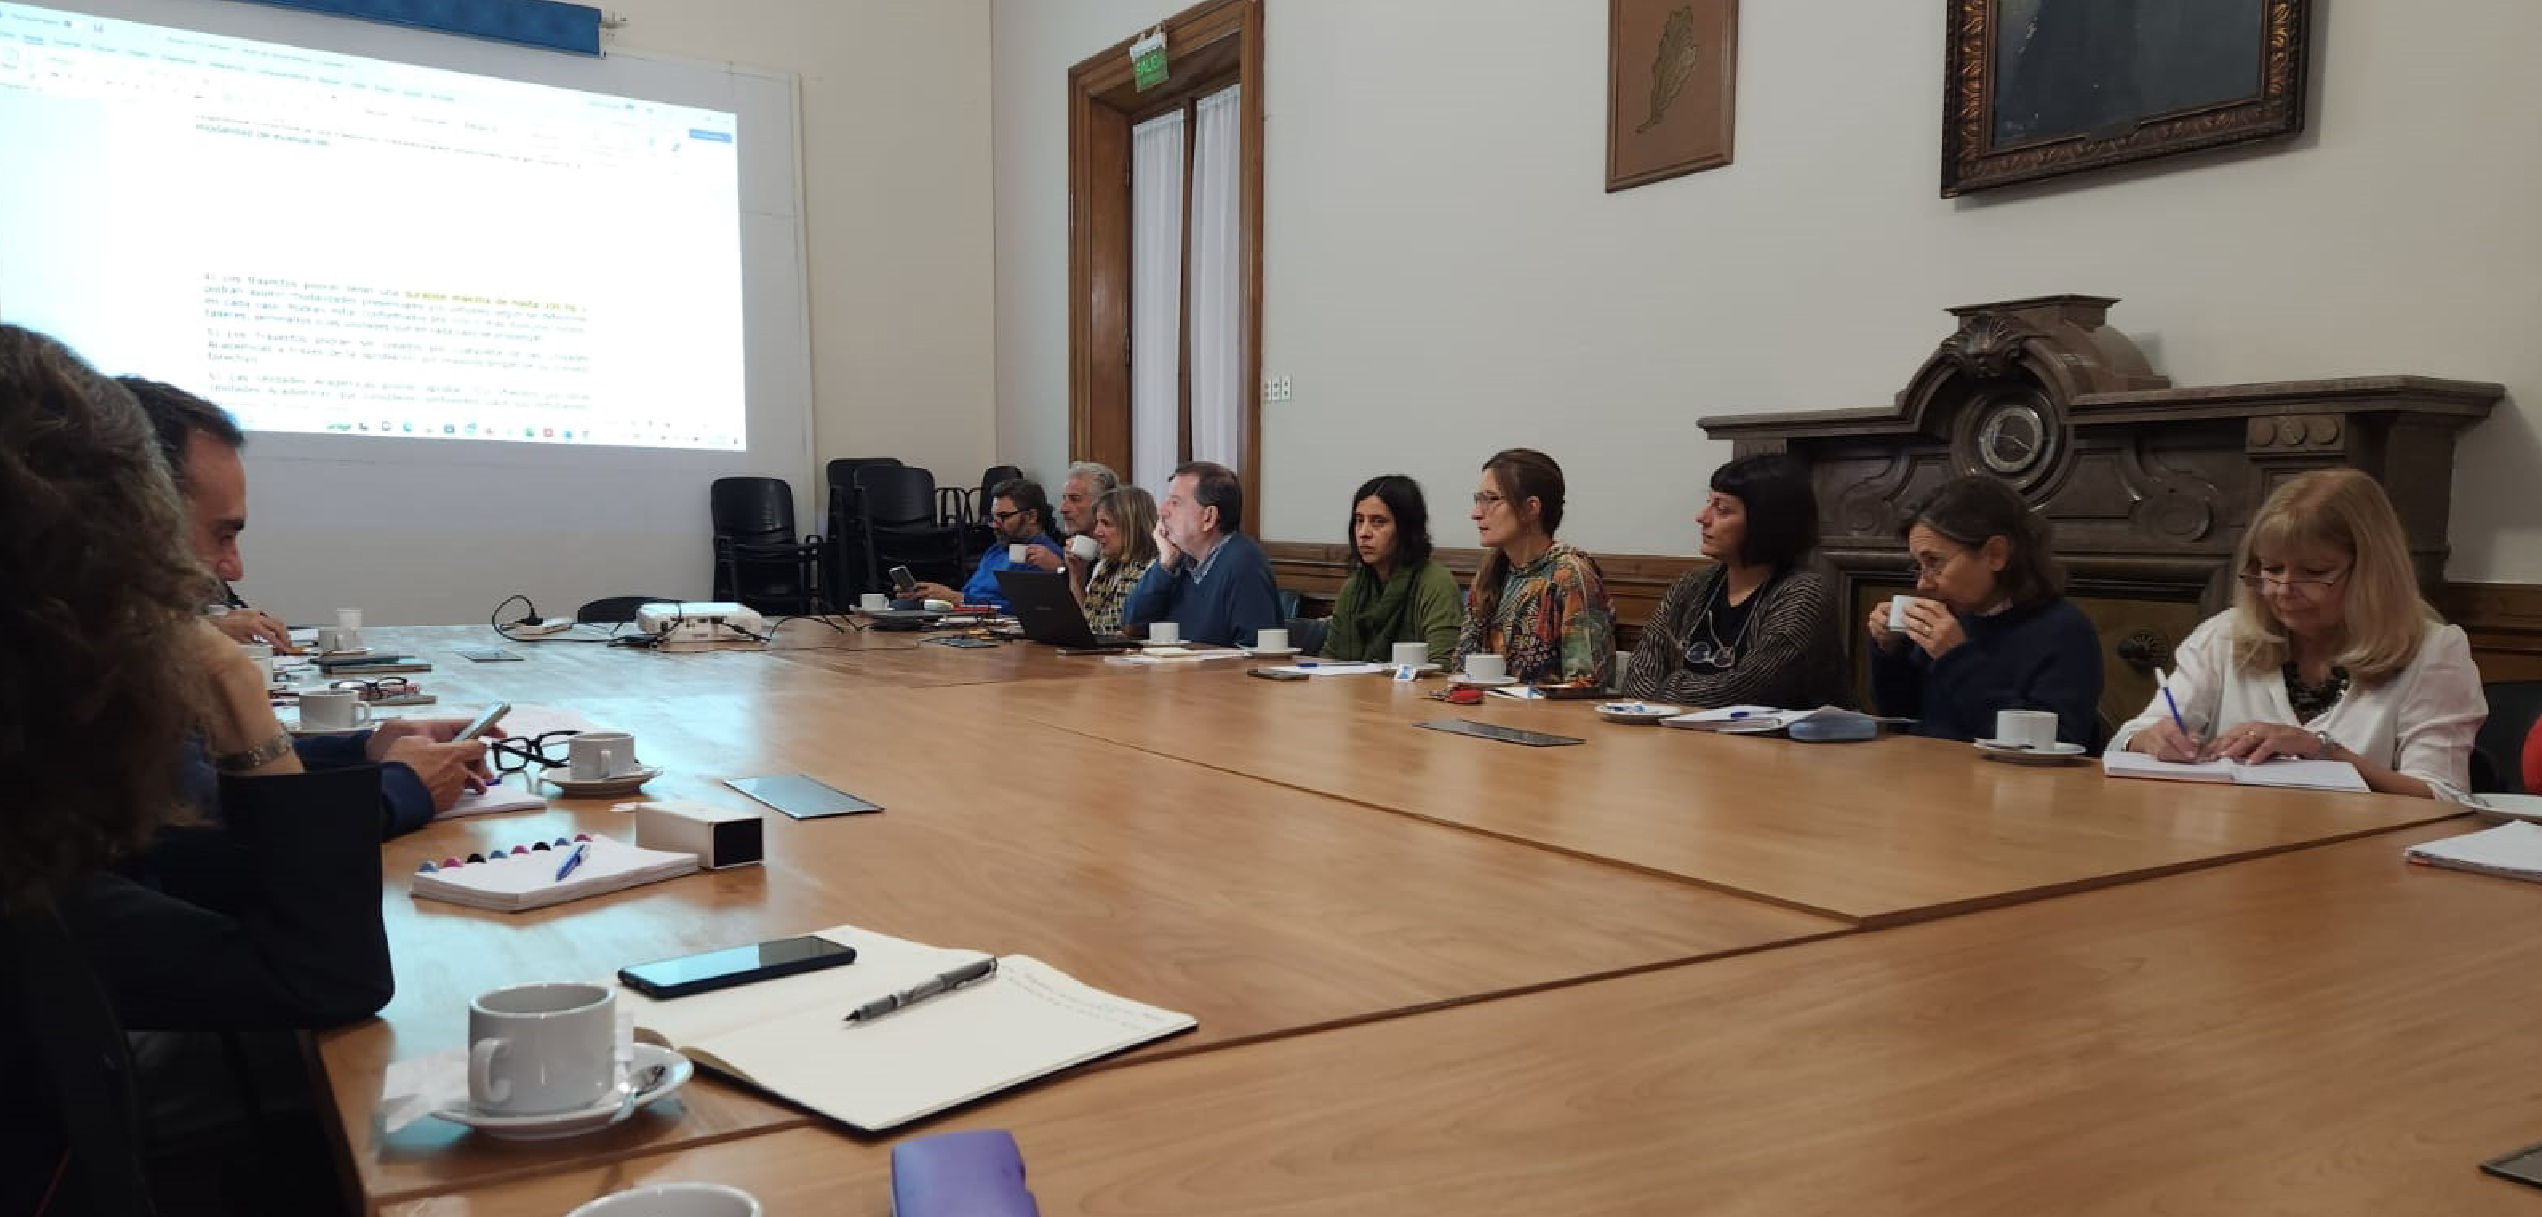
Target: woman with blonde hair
[(2327, 653), (1125, 545)]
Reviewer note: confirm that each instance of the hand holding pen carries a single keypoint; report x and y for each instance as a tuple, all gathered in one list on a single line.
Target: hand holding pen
[(2172, 741)]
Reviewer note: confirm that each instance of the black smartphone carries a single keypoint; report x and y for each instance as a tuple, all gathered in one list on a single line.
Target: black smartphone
[(902, 582), (668, 978), (801, 797), (2523, 1166)]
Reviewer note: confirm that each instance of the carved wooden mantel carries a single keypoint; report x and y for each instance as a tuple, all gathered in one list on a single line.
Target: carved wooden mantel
[(2148, 486)]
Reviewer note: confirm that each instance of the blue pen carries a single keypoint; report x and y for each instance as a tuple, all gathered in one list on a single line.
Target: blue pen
[(2164, 683), (572, 860)]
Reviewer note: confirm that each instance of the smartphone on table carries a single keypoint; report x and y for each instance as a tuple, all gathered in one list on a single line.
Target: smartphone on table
[(712, 970)]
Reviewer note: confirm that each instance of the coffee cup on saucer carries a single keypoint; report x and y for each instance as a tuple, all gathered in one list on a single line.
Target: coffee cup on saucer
[(543, 1049), (1166, 632), (2032, 729), (595, 756), (673, 1200), (1084, 548), (873, 602), (1271, 640), (333, 710), (1413, 654), (1486, 667)]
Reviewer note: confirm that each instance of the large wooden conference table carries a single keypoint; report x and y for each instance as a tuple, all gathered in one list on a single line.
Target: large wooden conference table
[(1422, 962)]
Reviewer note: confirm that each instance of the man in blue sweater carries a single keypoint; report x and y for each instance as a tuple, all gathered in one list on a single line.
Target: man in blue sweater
[(1209, 577)]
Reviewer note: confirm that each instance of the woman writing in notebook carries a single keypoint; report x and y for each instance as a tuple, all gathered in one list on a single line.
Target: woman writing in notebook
[(1125, 540), (1754, 627), (1536, 601), (1989, 628), (1396, 592), (2327, 653)]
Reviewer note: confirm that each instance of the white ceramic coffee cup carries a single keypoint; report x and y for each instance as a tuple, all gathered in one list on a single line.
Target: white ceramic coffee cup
[(1486, 667), (1165, 631), (595, 755), (332, 638), (1414, 653), (1271, 640), (1085, 547), (1898, 612), (263, 655), (1016, 554), (873, 602), (673, 1200), (535, 1050), (2033, 729), (333, 709)]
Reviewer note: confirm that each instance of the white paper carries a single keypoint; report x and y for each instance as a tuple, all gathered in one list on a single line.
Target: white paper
[(1331, 669), (2513, 850), (495, 799)]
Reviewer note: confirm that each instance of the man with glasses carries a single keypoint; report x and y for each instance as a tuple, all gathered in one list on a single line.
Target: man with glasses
[(1020, 514), (422, 773), (1087, 482), (1210, 579)]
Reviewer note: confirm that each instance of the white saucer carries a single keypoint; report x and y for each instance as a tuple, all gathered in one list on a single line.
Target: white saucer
[(676, 1071), (1636, 711), (575, 788), (1482, 682), (295, 727), (1269, 652), (2509, 806), (2012, 754), (1418, 669)]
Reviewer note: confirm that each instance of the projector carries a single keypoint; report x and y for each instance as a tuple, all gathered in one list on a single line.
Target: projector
[(699, 621)]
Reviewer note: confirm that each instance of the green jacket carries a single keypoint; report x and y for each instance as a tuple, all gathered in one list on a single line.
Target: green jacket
[(1363, 631)]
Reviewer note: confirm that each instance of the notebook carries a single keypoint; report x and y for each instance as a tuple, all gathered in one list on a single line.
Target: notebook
[(524, 876), (2509, 851), (495, 799), (2301, 775), (1763, 720), (788, 1037)]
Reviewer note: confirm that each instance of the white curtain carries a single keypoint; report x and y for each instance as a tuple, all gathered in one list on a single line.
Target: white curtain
[(1218, 283), (1156, 300)]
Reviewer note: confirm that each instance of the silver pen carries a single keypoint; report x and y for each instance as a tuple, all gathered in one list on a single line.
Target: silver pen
[(947, 982)]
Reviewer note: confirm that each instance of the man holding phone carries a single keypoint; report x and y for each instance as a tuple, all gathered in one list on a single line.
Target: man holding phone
[(423, 767)]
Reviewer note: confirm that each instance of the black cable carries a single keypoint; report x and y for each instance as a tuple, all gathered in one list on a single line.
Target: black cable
[(502, 628)]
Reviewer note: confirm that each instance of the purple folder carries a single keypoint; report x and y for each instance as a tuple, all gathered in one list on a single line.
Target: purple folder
[(960, 1174)]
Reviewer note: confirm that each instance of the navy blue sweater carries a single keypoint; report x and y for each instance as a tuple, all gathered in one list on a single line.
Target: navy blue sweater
[(1221, 606), (2043, 657)]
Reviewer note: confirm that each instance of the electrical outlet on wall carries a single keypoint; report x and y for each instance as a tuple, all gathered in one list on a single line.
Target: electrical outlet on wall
[(1275, 388)]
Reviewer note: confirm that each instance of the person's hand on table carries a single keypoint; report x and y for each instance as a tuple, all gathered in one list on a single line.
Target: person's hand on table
[(446, 770), (2255, 742), (934, 591), (2165, 741), (246, 625)]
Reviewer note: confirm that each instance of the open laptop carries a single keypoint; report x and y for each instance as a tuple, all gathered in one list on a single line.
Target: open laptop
[(1049, 613)]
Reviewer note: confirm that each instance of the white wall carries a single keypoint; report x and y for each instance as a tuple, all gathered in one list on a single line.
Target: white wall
[(1445, 275)]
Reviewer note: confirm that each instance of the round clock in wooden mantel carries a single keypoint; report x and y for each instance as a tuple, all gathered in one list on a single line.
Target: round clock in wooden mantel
[(2012, 435)]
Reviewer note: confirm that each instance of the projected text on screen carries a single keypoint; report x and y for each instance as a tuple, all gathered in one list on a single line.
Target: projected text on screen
[(324, 243)]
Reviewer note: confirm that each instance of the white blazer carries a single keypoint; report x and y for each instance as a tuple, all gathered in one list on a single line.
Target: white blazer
[(2419, 721)]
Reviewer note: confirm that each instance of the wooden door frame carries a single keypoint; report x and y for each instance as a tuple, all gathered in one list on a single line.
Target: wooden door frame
[(1204, 43)]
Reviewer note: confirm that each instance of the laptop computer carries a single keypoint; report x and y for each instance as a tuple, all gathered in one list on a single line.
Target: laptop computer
[(1049, 613)]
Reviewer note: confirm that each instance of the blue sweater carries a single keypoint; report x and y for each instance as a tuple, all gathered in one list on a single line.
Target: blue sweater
[(1222, 600), (982, 589), (2043, 657), (404, 804)]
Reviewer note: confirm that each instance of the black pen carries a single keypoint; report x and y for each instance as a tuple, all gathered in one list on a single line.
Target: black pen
[(969, 973)]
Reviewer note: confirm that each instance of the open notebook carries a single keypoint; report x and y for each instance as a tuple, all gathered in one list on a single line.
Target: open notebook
[(2302, 775), (788, 1037), (526, 878)]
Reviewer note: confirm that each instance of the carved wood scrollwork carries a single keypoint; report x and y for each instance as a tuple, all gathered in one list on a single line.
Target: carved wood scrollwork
[(2172, 504), (2144, 651), (1985, 346), (2288, 433)]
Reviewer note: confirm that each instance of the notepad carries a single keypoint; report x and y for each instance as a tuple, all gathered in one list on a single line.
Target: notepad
[(787, 1036), (2509, 851), (511, 882), (493, 800), (2300, 775)]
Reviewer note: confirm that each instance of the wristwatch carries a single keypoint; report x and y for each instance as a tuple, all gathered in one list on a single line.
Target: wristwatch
[(254, 758), (2328, 745)]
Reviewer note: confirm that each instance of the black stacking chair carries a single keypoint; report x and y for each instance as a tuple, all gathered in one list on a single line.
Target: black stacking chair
[(846, 570), (900, 526), (968, 509), (759, 561)]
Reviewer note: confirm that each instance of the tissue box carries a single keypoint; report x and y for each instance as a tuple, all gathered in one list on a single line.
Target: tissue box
[(719, 836)]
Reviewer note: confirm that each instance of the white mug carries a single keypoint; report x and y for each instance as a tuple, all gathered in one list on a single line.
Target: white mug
[(1016, 554), (333, 710), (1085, 547), (1898, 613), (2033, 729), (334, 638), (1271, 640), (1165, 631), (535, 1050), (873, 602), (1486, 667), (673, 1200), (595, 755), (1413, 653), (263, 655)]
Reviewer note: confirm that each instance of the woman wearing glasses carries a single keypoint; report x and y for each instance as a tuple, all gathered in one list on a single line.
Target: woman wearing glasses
[(1991, 630), (1754, 627), (1537, 602), (1396, 592), (2327, 652), (1125, 540)]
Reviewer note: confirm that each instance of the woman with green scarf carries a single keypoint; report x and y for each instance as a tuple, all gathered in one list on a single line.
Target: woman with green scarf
[(1395, 592)]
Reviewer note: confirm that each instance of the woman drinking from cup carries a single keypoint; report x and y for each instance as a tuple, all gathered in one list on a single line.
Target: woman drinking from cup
[(2328, 652), (1537, 602), (1396, 592), (1754, 627), (1125, 542), (1989, 629)]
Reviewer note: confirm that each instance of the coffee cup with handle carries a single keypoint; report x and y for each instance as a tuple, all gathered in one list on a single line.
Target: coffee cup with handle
[(333, 710), (1413, 654), (1271, 640), (1486, 667), (1018, 554), (1167, 632), (1084, 548), (873, 602), (2035, 730), (595, 756), (542, 1049)]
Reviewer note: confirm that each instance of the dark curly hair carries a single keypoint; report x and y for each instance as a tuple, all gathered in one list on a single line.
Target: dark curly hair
[(96, 597)]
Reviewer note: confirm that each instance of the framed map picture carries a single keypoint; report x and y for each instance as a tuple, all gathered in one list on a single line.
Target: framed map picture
[(1671, 72)]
